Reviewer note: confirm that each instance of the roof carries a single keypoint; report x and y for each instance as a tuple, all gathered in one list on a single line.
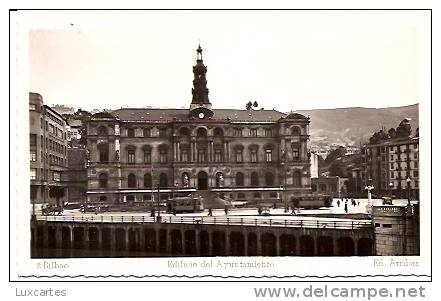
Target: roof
[(74, 122), (182, 115)]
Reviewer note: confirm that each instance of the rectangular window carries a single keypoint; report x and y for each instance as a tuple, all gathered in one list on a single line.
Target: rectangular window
[(147, 133), (201, 155), (56, 176), (415, 173), (217, 155), (131, 156), (253, 155), (147, 157), (162, 132), (295, 154), (268, 132), (32, 107), (387, 225), (268, 155), (33, 139), (415, 164), (131, 133), (33, 173), (163, 157), (253, 132), (184, 155), (33, 155), (239, 157), (391, 175)]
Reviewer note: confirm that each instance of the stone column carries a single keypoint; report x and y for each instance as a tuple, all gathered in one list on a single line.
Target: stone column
[(196, 241), (71, 237), (258, 245), (112, 238), (86, 238), (227, 243), (45, 236), (246, 243), (126, 238), (58, 237), (210, 243), (356, 246), (335, 246), (178, 152), (100, 238), (277, 235), (141, 239)]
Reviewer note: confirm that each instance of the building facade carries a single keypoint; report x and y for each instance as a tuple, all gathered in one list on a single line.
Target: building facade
[(257, 155), (392, 167), (48, 152)]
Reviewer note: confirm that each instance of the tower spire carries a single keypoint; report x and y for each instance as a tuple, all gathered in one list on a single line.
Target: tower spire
[(199, 91)]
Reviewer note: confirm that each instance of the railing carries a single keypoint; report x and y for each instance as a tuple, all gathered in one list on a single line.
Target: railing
[(212, 220)]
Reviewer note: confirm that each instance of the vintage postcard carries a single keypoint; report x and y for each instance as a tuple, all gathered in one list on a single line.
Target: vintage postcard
[(221, 145)]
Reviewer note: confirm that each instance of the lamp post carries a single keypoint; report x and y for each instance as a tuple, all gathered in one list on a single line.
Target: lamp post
[(391, 185), (369, 205), (408, 180)]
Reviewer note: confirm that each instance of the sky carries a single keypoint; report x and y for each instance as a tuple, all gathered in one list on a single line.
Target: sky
[(284, 60)]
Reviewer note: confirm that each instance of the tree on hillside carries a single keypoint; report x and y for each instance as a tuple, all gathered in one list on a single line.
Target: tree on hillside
[(338, 168), (417, 132), (392, 133), (249, 105), (335, 154), (255, 104), (404, 129)]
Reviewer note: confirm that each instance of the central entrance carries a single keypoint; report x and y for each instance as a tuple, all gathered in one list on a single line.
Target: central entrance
[(202, 180)]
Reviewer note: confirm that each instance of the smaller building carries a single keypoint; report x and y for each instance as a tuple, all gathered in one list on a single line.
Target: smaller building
[(333, 186), (314, 158)]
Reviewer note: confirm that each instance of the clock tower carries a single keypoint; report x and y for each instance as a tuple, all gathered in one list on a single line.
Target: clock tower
[(200, 106)]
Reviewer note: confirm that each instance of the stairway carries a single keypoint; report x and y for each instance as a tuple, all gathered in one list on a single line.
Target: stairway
[(212, 200)]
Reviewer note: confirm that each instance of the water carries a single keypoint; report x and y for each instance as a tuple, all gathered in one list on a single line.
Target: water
[(86, 253)]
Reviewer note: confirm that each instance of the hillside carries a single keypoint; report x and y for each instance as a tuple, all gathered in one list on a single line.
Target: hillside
[(354, 125)]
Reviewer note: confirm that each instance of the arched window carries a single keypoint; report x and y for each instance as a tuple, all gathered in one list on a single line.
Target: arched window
[(218, 132), (163, 180), (269, 179), (102, 178), (201, 132), (295, 131), (131, 181), (297, 179), (103, 149), (102, 131), (239, 179), (254, 179), (148, 180)]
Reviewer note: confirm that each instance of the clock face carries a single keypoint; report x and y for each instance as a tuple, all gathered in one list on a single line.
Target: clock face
[(201, 115)]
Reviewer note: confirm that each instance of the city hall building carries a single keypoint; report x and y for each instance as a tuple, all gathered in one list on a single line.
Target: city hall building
[(252, 155)]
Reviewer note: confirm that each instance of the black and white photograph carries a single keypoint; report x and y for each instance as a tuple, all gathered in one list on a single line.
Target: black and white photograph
[(208, 139)]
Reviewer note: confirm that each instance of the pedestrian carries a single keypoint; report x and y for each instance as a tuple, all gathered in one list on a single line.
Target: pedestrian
[(226, 210), (346, 207), (358, 202), (210, 212), (338, 203), (259, 210), (353, 202)]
